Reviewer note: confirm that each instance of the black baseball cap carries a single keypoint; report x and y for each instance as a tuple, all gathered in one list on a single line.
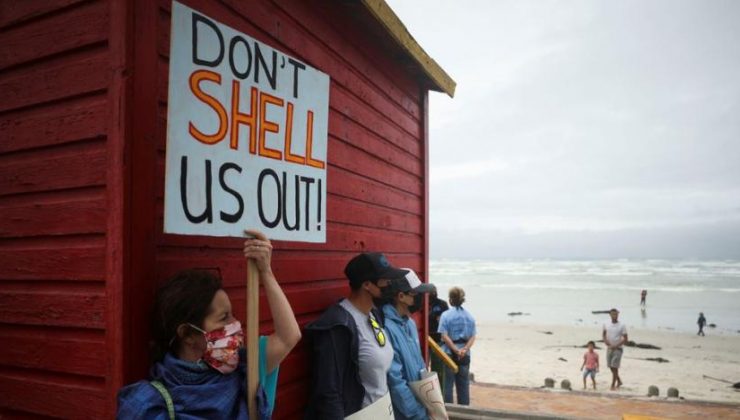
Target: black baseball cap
[(371, 266)]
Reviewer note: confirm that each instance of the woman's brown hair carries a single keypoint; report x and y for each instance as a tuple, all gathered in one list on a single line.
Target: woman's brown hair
[(457, 296)]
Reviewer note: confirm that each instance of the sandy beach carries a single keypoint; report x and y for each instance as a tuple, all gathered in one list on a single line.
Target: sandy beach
[(524, 355)]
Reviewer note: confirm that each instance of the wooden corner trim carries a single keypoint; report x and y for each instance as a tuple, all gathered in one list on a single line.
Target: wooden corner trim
[(393, 25)]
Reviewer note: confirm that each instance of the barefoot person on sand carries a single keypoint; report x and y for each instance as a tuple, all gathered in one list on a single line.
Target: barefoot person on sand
[(590, 364), (615, 336)]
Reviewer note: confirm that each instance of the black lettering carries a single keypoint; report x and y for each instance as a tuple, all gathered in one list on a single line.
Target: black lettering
[(207, 213), (308, 181), (297, 224), (296, 65), (260, 201), (260, 59), (201, 61), (318, 219), (230, 218), (232, 44)]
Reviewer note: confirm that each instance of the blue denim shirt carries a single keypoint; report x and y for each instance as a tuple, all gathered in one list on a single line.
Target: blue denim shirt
[(458, 324), (406, 366)]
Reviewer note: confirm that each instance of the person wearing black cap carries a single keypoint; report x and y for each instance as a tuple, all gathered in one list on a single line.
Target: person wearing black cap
[(351, 352), (406, 298)]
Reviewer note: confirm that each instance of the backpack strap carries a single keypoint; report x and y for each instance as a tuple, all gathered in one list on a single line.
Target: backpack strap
[(159, 386)]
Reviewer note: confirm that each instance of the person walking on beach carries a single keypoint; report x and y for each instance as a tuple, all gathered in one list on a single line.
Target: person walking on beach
[(643, 297), (590, 364), (702, 322), (457, 327), (615, 336)]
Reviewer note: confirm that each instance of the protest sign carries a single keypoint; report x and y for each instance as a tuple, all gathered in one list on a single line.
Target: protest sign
[(246, 135)]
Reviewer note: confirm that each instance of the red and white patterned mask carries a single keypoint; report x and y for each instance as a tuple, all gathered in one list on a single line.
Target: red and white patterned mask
[(222, 351)]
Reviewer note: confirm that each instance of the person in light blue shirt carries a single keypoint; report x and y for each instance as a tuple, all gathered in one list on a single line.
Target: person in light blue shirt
[(406, 297), (457, 327)]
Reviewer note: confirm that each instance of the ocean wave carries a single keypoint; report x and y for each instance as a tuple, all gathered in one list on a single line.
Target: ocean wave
[(589, 287), (602, 268)]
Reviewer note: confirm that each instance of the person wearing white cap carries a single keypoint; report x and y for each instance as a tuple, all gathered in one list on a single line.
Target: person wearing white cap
[(405, 297)]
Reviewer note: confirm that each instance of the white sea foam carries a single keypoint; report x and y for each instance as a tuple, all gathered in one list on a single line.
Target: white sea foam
[(563, 291)]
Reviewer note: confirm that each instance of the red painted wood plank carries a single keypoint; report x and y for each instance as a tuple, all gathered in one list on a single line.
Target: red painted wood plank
[(55, 218), (373, 120), (339, 238), (79, 264), (52, 242), (348, 40), (69, 75), (51, 395), (298, 34), (74, 28), (70, 166), (288, 266), (13, 12), (52, 306), (351, 185), (295, 396), (348, 211), (293, 367), (381, 54), (348, 131), (355, 159), (55, 350), (62, 122)]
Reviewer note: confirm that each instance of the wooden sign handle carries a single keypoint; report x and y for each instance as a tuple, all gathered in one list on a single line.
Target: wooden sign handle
[(441, 354), (252, 336)]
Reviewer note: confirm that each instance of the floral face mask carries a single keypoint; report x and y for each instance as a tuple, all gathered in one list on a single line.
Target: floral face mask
[(222, 352)]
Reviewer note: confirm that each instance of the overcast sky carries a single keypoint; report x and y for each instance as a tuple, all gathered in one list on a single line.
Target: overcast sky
[(583, 129)]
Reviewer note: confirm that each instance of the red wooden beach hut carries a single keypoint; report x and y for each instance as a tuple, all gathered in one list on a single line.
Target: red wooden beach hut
[(82, 139)]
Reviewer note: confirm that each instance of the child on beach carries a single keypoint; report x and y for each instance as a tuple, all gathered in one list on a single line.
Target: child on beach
[(590, 364)]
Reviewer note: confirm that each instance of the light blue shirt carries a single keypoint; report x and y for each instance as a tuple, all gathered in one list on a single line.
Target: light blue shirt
[(458, 324), (406, 367)]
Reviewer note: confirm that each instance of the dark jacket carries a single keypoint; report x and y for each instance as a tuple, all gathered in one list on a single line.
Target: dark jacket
[(437, 306), (336, 389)]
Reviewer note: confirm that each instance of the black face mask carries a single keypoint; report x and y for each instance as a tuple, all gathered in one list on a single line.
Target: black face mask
[(418, 303), (386, 296)]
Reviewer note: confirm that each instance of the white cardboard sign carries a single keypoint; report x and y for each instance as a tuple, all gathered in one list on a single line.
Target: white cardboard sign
[(246, 135)]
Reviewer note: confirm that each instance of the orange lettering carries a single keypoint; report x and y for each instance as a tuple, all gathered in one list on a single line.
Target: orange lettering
[(309, 143), (249, 120), (268, 126), (289, 156), (223, 121)]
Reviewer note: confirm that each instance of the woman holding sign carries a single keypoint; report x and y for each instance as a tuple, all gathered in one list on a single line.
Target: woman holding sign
[(199, 360)]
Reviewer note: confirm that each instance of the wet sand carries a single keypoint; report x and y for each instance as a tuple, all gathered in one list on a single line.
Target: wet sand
[(524, 355), (589, 405)]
